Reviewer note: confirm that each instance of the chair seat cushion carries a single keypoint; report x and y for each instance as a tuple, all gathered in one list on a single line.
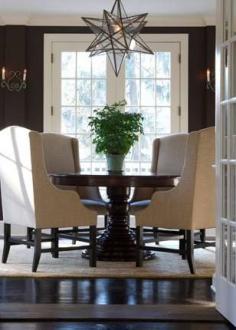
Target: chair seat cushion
[(137, 206), (97, 206)]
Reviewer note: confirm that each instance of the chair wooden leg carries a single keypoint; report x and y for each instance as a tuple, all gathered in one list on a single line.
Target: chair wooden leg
[(190, 250), (105, 221), (6, 247), (182, 244), (75, 232), (92, 250), (139, 245), (29, 236), (54, 244), (203, 235), (37, 249), (156, 235)]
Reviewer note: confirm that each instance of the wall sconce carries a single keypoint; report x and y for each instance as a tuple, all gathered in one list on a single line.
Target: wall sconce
[(14, 80), (210, 81)]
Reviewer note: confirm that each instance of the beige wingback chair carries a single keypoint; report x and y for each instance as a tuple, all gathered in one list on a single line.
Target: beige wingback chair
[(61, 155), (191, 204), (168, 156), (30, 199)]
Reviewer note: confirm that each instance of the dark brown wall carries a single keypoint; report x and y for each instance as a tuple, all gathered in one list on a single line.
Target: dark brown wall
[(22, 46)]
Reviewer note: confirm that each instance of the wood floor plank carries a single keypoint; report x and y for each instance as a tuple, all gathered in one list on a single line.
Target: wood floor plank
[(84, 312)]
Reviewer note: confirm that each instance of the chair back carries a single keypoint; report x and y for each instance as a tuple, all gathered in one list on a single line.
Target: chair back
[(168, 156), (204, 200), (61, 154), (16, 177)]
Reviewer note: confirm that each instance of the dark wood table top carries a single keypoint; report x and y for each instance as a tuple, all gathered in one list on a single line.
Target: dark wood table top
[(115, 180)]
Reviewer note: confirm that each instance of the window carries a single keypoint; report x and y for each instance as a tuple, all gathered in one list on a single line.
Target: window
[(76, 84)]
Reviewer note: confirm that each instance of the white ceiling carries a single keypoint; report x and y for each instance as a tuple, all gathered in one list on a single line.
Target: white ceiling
[(28, 9)]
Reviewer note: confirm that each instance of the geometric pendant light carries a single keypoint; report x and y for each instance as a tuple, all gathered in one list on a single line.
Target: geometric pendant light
[(117, 35)]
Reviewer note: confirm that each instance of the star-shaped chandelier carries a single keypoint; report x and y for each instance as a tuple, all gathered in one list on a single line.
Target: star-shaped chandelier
[(117, 35)]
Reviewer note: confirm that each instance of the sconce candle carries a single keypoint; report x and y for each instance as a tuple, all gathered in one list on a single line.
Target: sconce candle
[(24, 75), (3, 73), (210, 81), (208, 75)]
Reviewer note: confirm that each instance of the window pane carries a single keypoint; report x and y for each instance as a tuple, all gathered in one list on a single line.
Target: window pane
[(67, 92), (133, 153), (149, 119), (83, 65), (147, 66), (147, 92), (85, 147), (99, 92), (132, 66), (84, 92), (146, 147), (163, 92), (68, 120), (132, 92), (163, 121), (99, 66), (82, 120), (68, 64), (163, 64)]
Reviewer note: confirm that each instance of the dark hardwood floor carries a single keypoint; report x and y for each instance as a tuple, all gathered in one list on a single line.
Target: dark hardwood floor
[(108, 304)]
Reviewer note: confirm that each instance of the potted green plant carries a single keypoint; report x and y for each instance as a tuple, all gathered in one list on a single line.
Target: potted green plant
[(114, 132)]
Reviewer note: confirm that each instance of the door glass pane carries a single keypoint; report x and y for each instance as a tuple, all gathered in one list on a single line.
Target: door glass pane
[(224, 131), (233, 74), (150, 94), (234, 18), (224, 250), (224, 191), (68, 92), (233, 193), (68, 65), (225, 81), (226, 19), (233, 130), (83, 88), (68, 120), (233, 255)]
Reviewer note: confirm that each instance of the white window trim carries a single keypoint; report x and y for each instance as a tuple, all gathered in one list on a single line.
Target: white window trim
[(48, 43)]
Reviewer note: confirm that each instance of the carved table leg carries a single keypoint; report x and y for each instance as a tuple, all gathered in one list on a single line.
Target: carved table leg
[(117, 243)]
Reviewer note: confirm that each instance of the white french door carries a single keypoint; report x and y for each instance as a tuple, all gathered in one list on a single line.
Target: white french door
[(225, 279), (76, 84)]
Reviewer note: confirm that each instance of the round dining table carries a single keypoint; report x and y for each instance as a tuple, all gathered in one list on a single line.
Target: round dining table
[(117, 242)]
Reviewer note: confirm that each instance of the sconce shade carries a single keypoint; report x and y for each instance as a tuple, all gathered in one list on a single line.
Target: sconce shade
[(117, 34)]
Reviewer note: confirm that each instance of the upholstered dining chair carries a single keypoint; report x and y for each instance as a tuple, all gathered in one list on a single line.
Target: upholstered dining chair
[(191, 204), (29, 198), (61, 154), (168, 157)]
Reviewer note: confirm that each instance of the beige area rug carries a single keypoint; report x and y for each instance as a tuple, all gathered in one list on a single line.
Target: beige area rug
[(71, 264)]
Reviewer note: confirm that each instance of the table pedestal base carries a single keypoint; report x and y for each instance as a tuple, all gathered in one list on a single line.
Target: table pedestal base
[(117, 243)]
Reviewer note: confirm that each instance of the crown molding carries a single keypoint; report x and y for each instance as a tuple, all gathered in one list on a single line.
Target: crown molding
[(74, 20)]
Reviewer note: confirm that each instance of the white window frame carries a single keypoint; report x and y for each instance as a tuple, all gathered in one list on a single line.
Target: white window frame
[(49, 39)]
